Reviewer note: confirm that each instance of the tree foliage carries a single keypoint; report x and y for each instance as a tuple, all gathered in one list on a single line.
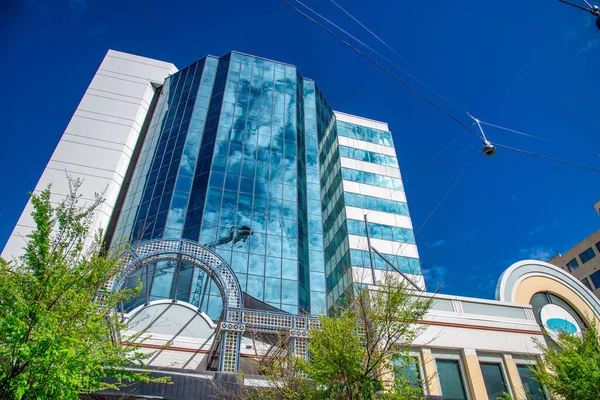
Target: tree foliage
[(351, 353), (571, 368), (57, 340)]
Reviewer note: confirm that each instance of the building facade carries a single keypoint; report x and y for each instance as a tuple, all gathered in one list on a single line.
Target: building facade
[(244, 156), (583, 260), (249, 205)]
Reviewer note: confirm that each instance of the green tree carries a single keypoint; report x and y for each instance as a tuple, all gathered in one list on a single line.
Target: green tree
[(351, 353), (571, 368), (59, 332)]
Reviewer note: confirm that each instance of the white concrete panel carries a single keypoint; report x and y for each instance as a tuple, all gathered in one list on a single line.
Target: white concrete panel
[(62, 167), (121, 77), (113, 108), (361, 144), (94, 157), (483, 340), (365, 276), (144, 60), (96, 129), (393, 171), (99, 139), (375, 191), (355, 213), (365, 166), (138, 68), (348, 163), (354, 119), (404, 221), (114, 86), (60, 187), (352, 187), (362, 275), (108, 119), (379, 217), (384, 246), (93, 142), (398, 195), (357, 242)]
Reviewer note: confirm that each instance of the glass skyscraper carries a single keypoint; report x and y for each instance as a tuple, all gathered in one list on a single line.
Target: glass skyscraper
[(243, 195), (242, 154), (246, 157)]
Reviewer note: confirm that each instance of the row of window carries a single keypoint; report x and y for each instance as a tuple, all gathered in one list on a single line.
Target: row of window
[(375, 203), (379, 231), (368, 156), (586, 256), (363, 133), (453, 383), (369, 178), (407, 265), (595, 278)]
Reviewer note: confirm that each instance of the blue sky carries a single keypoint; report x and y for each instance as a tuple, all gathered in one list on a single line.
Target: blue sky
[(513, 63)]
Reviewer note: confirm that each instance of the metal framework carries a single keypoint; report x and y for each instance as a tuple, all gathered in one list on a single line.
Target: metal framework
[(235, 320)]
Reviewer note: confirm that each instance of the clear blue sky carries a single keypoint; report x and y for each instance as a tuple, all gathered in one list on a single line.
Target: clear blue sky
[(530, 66)]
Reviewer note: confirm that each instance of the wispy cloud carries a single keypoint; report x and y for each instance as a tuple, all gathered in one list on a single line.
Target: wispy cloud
[(589, 45), (542, 253), (483, 282), (77, 7), (487, 283), (571, 34), (544, 226), (439, 243), (436, 276), (539, 228), (98, 29)]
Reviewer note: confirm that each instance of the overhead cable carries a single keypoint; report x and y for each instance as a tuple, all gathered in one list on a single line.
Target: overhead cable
[(437, 155), (443, 97), (519, 132), (371, 32), (387, 71), (425, 165), (447, 193), (548, 158)]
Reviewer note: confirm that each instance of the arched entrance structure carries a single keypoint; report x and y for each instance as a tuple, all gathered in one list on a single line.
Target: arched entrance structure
[(234, 318), (524, 279)]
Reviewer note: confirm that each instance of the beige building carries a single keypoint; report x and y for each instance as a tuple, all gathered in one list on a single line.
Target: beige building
[(583, 260)]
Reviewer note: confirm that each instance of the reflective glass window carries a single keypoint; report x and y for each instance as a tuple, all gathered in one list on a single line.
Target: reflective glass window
[(595, 278), (451, 379), (587, 255), (408, 368), (533, 389), (572, 265), (493, 377), (586, 283), (273, 291), (255, 286)]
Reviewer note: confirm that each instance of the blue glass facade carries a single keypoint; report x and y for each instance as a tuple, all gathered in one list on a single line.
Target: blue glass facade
[(242, 156), (231, 160)]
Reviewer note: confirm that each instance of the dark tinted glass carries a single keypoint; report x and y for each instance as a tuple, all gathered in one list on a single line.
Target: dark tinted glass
[(586, 283), (533, 389), (451, 380), (572, 265), (587, 255), (595, 277), (408, 368), (494, 380)]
